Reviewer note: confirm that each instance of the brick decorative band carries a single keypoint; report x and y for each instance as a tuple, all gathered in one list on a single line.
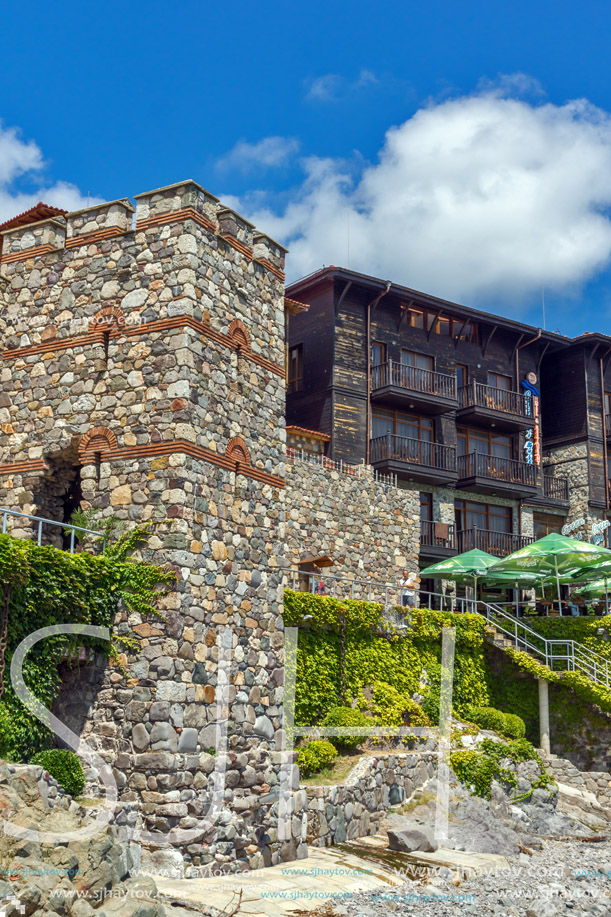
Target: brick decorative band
[(154, 450), (239, 246), (270, 267), (162, 324), (10, 257), (97, 236), (176, 216), (21, 467)]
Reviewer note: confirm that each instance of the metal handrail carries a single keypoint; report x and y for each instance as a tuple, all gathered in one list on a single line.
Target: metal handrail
[(555, 488), (496, 468), (413, 378), (331, 584), (391, 446), (577, 657), (62, 525), (497, 399)]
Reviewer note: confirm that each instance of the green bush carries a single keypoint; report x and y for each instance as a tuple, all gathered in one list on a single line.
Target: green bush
[(346, 716), (314, 756), (478, 767), (507, 724), (390, 707), (515, 727), (65, 766)]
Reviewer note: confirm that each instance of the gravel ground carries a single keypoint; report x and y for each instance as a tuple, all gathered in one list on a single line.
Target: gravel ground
[(563, 878)]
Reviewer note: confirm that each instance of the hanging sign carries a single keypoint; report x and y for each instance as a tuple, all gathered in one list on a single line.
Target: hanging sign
[(532, 440)]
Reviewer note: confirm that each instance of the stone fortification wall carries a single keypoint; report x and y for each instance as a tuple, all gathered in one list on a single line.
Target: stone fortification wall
[(143, 363), (369, 528), (356, 808)]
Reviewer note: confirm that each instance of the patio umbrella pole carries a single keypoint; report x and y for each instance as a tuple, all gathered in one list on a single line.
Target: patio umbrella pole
[(558, 584), (517, 601)]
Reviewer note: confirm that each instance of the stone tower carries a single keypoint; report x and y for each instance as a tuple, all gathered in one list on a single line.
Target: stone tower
[(143, 373)]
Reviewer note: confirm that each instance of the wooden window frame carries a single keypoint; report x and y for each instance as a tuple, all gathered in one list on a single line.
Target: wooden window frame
[(382, 345), (477, 433), (295, 383), (416, 353), (422, 421), (466, 506), (459, 329)]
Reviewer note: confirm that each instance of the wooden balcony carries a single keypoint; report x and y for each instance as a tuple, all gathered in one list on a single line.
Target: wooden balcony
[(493, 407), (556, 490), (491, 474), (413, 459), (412, 388), (498, 543), (437, 539)]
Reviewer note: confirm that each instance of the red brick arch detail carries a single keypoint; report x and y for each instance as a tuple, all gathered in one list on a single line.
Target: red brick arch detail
[(237, 451), (98, 439), (107, 319), (239, 335)]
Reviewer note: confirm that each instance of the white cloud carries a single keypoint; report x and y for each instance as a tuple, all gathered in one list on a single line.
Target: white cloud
[(474, 197), (20, 159), (270, 152), (331, 86)]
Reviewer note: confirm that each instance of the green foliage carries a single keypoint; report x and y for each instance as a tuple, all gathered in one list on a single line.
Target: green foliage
[(314, 756), (580, 683), (401, 658), (48, 586), (515, 727), (507, 724), (109, 526), (65, 766), (344, 717), (391, 708), (478, 767)]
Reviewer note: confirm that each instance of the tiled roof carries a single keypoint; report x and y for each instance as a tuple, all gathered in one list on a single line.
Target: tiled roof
[(313, 434), (39, 211)]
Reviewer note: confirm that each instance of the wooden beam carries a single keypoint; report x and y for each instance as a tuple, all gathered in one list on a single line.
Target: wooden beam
[(433, 323), (540, 361), (404, 314), (342, 297), (488, 339), (462, 328), (515, 349)]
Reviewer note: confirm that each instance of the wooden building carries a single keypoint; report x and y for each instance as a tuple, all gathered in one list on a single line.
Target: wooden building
[(488, 418)]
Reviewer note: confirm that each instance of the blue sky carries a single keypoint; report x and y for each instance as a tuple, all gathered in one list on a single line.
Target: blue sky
[(284, 111)]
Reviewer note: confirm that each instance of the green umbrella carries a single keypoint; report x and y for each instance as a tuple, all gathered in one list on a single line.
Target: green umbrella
[(517, 580), (553, 554), (596, 581), (467, 567)]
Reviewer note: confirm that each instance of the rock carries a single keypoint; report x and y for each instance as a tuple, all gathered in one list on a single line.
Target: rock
[(409, 840), (263, 727)]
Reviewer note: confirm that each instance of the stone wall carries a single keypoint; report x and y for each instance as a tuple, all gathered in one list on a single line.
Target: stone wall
[(370, 529), (356, 808), (145, 364), (573, 462)]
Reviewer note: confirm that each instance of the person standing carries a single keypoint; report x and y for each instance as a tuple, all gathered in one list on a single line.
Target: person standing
[(408, 589)]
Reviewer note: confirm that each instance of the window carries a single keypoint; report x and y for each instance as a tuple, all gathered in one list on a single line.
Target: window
[(447, 326), (426, 507), (399, 424), (295, 375), (496, 380), (378, 353), (483, 516), (608, 405), (547, 524), (418, 360), (462, 376), (484, 442)]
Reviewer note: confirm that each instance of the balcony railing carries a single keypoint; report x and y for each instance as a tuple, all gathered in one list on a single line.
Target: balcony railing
[(496, 468), (476, 394), (437, 534), (498, 543), (413, 379), (555, 488), (412, 451)]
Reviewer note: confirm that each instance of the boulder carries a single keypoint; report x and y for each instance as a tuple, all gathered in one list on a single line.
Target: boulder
[(410, 840)]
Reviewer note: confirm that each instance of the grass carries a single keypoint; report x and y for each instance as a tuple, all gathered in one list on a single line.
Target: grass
[(420, 799), (335, 772)]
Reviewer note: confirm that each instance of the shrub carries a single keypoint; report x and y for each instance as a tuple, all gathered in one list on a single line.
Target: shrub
[(346, 716), (65, 766), (390, 707), (515, 727), (478, 767), (314, 756), (507, 724)]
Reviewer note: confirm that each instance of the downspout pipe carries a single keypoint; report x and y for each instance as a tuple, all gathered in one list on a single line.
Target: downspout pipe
[(370, 306)]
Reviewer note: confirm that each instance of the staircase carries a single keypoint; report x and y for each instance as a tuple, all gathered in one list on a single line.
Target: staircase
[(507, 632)]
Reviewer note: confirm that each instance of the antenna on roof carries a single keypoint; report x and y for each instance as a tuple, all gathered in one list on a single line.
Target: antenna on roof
[(543, 303), (348, 252), (88, 198)]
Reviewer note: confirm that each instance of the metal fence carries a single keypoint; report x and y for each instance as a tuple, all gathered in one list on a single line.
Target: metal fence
[(39, 527), (354, 471)]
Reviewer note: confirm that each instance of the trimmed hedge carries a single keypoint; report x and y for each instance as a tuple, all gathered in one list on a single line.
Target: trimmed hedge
[(344, 717), (65, 766), (314, 756), (507, 724)]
